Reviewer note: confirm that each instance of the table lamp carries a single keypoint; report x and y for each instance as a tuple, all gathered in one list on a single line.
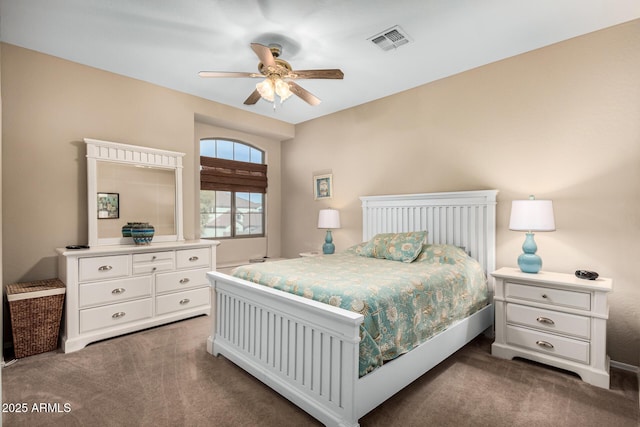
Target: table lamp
[(531, 215), (328, 218)]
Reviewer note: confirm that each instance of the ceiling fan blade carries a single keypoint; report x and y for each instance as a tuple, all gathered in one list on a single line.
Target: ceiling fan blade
[(227, 74), (316, 74), (303, 93), (264, 53), (253, 98)]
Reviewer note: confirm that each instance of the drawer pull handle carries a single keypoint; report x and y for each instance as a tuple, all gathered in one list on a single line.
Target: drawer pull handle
[(185, 280), (544, 344), (154, 268), (194, 258), (153, 258), (118, 291), (104, 268), (546, 320), (544, 296), (118, 315), (185, 301)]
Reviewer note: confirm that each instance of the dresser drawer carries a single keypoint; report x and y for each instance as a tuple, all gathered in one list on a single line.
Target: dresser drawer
[(152, 262), (550, 344), (559, 297), (114, 314), (152, 268), (150, 257), (193, 258), (549, 320), (182, 300), (105, 267), (114, 291), (168, 282)]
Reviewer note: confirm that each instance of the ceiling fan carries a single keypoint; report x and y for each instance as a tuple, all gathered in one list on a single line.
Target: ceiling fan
[(278, 77)]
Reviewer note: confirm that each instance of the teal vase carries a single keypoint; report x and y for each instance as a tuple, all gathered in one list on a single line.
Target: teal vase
[(142, 233)]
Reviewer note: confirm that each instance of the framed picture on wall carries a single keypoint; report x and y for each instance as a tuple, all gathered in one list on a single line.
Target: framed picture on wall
[(108, 205), (322, 186)]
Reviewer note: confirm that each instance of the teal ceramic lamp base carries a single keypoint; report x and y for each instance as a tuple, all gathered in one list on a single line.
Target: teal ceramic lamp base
[(328, 247), (529, 262)]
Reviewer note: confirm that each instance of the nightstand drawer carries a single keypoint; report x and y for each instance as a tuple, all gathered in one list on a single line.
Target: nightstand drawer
[(559, 297), (550, 344), (548, 320)]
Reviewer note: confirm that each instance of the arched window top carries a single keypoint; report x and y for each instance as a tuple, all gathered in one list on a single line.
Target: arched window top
[(231, 150)]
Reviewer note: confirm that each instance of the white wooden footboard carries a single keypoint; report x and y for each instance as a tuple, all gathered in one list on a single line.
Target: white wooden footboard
[(305, 350)]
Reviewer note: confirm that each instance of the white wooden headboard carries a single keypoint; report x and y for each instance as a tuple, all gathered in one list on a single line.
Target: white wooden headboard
[(461, 218)]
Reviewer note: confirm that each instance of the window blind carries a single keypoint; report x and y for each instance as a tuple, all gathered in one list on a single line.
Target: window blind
[(232, 175)]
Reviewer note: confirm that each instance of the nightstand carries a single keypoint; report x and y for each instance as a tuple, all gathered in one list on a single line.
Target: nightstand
[(555, 319)]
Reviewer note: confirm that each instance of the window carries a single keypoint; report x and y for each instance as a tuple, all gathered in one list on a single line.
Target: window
[(233, 183)]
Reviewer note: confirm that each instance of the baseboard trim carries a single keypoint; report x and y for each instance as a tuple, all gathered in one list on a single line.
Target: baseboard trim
[(625, 367)]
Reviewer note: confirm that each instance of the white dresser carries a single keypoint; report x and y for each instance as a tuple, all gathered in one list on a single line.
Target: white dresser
[(553, 318), (114, 290)]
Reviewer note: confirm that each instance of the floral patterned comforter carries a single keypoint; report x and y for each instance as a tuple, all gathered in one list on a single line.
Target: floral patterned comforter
[(403, 304)]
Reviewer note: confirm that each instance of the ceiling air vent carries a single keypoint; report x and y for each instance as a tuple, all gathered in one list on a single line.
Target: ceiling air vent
[(391, 38)]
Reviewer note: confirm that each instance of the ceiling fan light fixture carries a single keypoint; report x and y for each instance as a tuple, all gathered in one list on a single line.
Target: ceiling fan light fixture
[(282, 89), (266, 90), (270, 87)]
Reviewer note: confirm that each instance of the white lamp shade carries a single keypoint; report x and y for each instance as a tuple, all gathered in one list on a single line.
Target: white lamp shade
[(532, 215), (329, 218)]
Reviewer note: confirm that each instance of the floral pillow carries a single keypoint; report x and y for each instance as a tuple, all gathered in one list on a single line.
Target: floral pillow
[(403, 247), (444, 254)]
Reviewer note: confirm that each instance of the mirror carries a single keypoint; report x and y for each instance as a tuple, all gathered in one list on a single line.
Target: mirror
[(132, 184), (144, 194)]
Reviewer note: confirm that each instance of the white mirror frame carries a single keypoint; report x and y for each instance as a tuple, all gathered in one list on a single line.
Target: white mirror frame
[(137, 156)]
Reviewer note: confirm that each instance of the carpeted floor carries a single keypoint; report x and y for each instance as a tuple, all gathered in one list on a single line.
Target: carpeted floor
[(165, 377)]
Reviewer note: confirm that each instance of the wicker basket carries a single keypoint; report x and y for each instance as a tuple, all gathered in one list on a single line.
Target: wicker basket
[(36, 311)]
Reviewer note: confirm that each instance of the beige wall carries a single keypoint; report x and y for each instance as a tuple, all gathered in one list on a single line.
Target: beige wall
[(49, 106), (561, 122)]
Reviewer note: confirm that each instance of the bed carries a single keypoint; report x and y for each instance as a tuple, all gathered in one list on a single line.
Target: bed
[(309, 351)]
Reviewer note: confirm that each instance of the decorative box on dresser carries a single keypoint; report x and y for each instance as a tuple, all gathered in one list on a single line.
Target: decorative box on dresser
[(114, 290), (555, 319)]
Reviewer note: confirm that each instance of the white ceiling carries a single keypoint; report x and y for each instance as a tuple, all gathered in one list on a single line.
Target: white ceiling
[(166, 42)]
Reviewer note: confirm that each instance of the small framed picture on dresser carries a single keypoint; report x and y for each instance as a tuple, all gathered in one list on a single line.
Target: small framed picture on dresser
[(108, 205)]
